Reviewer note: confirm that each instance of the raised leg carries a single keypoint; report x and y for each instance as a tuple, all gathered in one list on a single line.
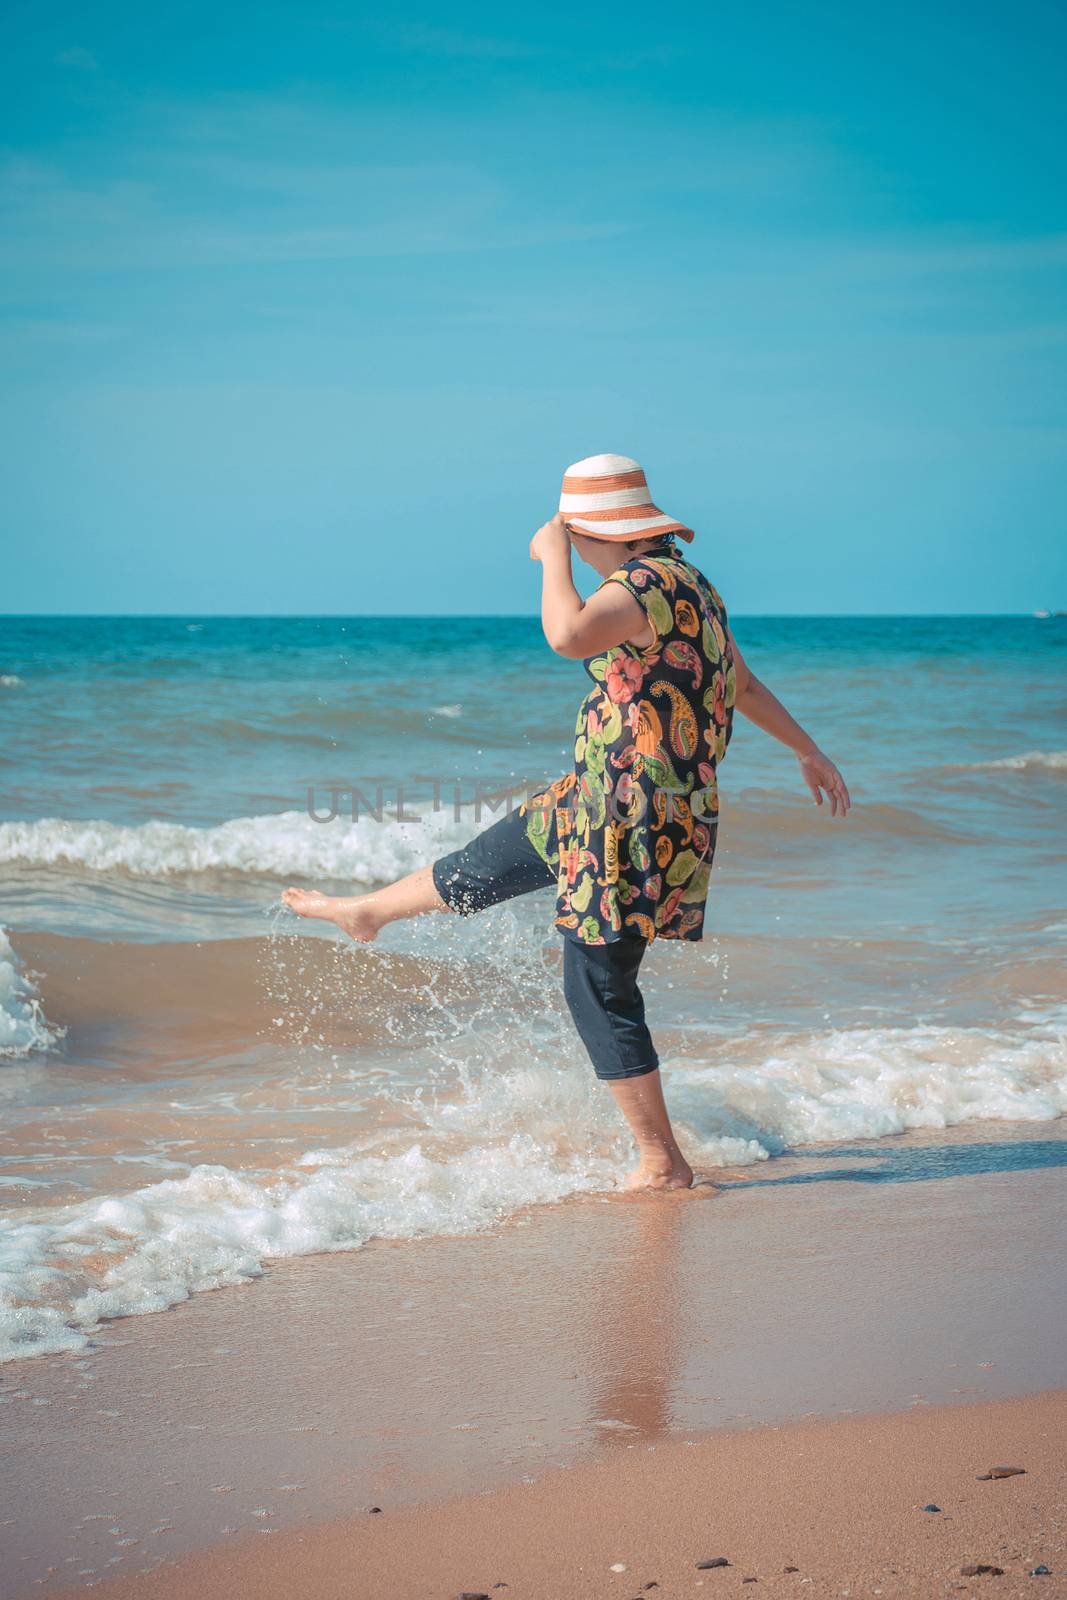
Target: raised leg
[(497, 864), (362, 916)]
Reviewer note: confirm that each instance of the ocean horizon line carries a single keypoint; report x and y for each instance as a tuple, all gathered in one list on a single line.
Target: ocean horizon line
[(1039, 615)]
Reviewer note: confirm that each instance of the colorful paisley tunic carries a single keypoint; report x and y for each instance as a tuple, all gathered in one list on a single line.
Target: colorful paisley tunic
[(631, 831)]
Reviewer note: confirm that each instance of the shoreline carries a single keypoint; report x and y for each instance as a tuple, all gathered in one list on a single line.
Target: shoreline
[(911, 1272), (814, 1508)]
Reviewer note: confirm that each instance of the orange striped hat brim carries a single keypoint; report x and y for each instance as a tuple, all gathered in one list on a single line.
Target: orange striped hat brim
[(607, 497)]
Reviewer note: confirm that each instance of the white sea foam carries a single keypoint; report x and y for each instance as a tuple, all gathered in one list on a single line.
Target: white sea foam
[(9, 680), (288, 843), (870, 1082), (22, 1024), (446, 711), (1050, 760), (480, 1163), (533, 1135)]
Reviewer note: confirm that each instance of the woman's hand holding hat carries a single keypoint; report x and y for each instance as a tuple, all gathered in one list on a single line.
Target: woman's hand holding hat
[(552, 535)]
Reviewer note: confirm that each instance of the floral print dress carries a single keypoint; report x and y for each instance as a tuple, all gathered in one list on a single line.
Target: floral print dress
[(631, 831)]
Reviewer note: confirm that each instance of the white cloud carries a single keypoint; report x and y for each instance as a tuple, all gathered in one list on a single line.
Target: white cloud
[(33, 333), (246, 212), (423, 39), (938, 251), (84, 60)]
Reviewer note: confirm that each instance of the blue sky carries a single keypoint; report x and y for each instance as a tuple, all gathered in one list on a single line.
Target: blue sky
[(306, 308)]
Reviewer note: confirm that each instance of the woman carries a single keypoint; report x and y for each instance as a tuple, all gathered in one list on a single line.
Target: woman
[(628, 836)]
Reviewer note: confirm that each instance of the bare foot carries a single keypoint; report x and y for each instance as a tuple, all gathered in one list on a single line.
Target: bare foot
[(661, 1171), (355, 916)]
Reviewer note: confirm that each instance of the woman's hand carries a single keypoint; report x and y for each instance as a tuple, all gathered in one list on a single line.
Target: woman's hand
[(819, 773), (552, 536)]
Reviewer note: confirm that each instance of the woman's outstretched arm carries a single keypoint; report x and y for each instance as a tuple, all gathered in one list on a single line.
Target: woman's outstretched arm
[(756, 702)]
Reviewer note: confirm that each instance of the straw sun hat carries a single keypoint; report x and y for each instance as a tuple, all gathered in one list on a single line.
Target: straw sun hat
[(607, 497)]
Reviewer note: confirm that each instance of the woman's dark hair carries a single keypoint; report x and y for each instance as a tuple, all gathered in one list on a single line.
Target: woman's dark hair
[(664, 545)]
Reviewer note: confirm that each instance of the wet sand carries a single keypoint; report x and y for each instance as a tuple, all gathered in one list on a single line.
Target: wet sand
[(813, 1509), (146, 1004), (572, 1345)]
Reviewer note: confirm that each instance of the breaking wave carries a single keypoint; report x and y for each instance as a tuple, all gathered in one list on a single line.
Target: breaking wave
[(22, 1023), (527, 1136), (289, 843), (1046, 760)]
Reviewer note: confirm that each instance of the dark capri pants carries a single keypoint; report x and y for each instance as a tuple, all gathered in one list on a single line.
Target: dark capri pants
[(599, 980)]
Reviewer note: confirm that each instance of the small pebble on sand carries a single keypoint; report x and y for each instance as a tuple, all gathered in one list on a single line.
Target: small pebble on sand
[(716, 1561), (979, 1569), (931, 1507), (1001, 1472)]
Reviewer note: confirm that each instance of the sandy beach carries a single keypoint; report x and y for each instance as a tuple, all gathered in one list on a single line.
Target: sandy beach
[(527, 1405), (892, 1504)]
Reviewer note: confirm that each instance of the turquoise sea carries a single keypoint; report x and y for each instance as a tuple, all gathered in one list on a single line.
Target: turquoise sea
[(188, 1070)]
